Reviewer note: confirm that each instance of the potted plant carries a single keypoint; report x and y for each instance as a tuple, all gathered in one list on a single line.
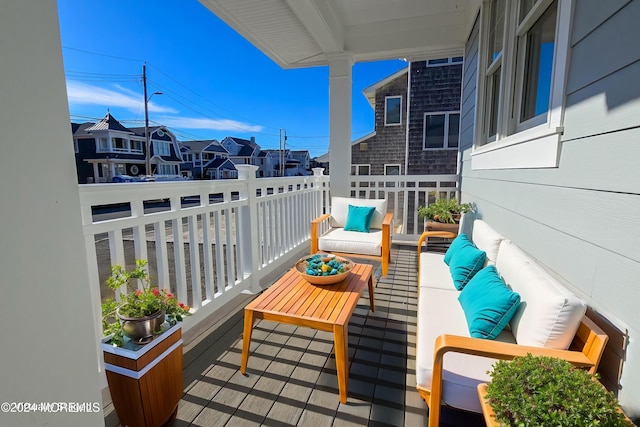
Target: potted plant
[(541, 391), (443, 214), (142, 312)]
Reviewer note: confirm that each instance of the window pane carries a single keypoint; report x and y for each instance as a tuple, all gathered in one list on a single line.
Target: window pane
[(539, 65), (492, 101), (496, 29), (392, 111), (438, 61), (434, 131), (392, 170), (454, 130), (525, 8), (363, 170)]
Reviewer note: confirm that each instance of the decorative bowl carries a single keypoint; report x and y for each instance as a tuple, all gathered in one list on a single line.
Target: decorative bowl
[(329, 279)]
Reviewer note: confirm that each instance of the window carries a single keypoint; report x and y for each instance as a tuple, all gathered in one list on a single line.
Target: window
[(392, 169), (120, 168), (523, 61), (360, 170), (120, 144), (161, 148), (75, 146), (444, 61), (136, 146), (392, 110), (166, 169), (441, 130), (188, 157), (103, 145)]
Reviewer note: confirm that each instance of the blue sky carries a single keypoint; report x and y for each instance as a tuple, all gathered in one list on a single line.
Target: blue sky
[(214, 82)]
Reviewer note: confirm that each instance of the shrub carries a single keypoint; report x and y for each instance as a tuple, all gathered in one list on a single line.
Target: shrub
[(547, 391)]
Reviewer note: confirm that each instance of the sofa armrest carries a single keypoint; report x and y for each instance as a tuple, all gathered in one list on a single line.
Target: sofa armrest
[(315, 231), (487, 348)]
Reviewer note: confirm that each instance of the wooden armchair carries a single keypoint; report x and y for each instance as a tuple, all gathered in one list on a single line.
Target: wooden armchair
[(585, 352), (328, 234)]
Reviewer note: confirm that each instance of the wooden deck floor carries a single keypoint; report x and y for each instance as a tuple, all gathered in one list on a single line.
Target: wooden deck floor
[(291, 376)]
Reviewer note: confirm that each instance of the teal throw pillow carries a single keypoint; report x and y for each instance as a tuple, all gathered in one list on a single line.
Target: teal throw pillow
[(460, 241), (488, 304), (359, 218), (465, 263)]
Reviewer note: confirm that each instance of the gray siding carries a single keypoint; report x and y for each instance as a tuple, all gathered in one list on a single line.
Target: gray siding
[(581, 219)]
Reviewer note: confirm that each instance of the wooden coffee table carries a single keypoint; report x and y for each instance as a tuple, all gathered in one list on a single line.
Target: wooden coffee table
[(295, 301)]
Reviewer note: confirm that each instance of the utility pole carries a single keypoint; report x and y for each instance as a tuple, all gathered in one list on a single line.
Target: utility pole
[(147, 157), (147, 140), (283, 147)]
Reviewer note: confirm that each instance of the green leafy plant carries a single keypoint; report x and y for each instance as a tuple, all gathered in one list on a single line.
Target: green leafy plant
[(444, 210), (547, 391), (138, 302)]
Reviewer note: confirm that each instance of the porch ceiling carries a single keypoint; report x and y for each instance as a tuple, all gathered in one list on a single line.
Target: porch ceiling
[(302, 33)]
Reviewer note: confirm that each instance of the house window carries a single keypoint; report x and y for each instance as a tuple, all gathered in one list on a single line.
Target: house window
[(75, 146), (161, 148), (120, 168), (103, 145), (136, 146), (392, 110), (120, 144), (392, 169), (444, 61), (524, 53), (441, 130), (166, 169), (188, 157), (360, 170)]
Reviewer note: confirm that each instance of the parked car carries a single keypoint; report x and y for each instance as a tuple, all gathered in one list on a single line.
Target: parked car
[(124, 178)]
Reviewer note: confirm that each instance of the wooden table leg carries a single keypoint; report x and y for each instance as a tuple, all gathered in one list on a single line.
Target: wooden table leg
[(371, 294), (246, 339), (341, 345)]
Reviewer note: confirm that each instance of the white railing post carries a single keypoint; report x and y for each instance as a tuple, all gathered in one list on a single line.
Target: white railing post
[(248, 232), (317, 175)]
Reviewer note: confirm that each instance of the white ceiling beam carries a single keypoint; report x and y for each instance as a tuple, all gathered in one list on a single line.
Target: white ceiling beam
[(322, 23)]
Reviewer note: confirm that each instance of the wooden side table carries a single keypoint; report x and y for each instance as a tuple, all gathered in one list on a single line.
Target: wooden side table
[(146, 381)]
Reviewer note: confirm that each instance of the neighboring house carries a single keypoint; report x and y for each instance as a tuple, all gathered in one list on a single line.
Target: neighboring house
[(206, 159), (107, 148), (296, 162), (242, 151), (429, 107)]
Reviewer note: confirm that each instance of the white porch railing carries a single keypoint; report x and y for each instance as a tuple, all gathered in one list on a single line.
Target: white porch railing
[(210, 240)]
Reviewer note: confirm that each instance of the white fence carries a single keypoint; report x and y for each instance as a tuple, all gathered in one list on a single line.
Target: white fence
[(210, 240)]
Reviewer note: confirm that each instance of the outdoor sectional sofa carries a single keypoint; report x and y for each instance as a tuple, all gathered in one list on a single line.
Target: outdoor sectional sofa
[(548, 319)]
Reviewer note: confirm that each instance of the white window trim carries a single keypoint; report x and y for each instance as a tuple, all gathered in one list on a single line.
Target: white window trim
[(357, 168), (393, 165), (76, 148), (538, 146), (446, 134), (386, 98), (156, 146)]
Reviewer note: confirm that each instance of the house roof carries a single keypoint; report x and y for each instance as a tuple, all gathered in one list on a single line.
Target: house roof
[(324, 158), (370, 91), (108, 122), (305, 33), (79, 129), (220, 164), (205, 145)]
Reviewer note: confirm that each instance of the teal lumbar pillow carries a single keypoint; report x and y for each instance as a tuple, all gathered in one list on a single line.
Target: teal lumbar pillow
[(465, 263), (359, 218), (488, 304), (460, 241)]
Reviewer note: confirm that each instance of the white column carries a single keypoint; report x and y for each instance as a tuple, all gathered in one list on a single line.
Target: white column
[(48, 316), (340, 122)]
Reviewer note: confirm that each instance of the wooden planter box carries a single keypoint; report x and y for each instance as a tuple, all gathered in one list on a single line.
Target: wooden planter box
[(145, 381), (441, 226)]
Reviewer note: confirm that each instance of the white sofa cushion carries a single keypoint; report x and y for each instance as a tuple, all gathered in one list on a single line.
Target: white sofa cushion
[(487, 239), (340, 211), (434, 273), (355, 242), (549, 314), (440, 313)]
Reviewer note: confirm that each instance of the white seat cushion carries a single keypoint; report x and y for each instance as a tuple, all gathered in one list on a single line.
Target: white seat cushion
[(434, 273), (549, 314), (340, 211), (354, 242), (487, 239), (440, 313)]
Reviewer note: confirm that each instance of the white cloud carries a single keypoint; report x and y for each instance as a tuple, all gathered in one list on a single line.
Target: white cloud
[(212, 124), (84, 94)]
